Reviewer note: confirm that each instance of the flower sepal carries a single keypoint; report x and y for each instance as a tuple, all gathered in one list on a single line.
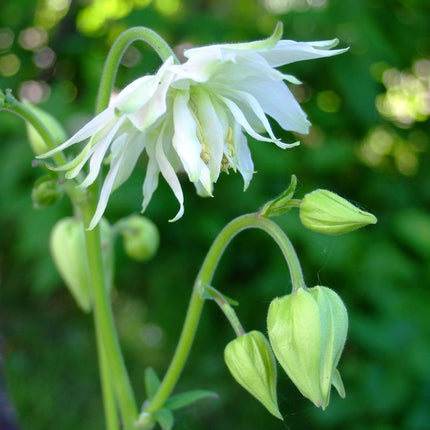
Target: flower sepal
[(281, 204)]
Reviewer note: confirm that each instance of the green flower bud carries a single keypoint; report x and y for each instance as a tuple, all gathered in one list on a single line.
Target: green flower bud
[(67, 244), (37, 144), (251, 362), (307, 331), (328, 213), (140, 237), (46, 191)]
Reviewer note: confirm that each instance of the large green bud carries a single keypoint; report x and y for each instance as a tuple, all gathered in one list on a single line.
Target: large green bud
[(326, 212), (307, 331), (251, 362), (67, 244)]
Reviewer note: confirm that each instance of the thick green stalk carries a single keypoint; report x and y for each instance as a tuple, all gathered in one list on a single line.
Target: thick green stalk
[(109, 400), (105, 326), (205, 277)]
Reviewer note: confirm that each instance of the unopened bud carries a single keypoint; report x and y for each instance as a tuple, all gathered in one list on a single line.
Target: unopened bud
[(326, 212), (140, 237), (67, 243), (38, 145), (46, 191), (251, 362), (307, 331)]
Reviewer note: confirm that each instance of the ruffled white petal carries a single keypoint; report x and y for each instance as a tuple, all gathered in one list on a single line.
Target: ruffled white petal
[(100, 121), (289, 51), (169, 174), (185, 141)]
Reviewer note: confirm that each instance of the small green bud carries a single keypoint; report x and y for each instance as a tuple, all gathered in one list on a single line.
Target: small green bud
[(307, 331), (37, 144), (251, 362), (67, 244), (140, 237), (328, 213), (46, 191)]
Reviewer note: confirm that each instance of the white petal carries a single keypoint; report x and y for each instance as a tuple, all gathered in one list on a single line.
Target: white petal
[(154, 107), (253, 103), (185, 139), (137, 94), (102, 120), (240, 118), (277, 101), (169, 174), (106, 191), (131, 153), (151, 178), (259, 45), (211, 131), (100, 149), (244, 162), (289, 51)]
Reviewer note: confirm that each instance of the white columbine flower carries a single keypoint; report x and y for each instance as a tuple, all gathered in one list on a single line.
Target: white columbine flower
[(194, 116)]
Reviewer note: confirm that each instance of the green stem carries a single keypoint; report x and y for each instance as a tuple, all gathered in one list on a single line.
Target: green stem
[(109, 401), (105, 327), (116, 52), (227, 309), (205, 277)]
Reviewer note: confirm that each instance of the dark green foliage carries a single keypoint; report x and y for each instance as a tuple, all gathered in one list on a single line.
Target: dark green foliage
[(382, 272)]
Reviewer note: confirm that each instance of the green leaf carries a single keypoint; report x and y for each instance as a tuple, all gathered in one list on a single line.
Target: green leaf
[(165, 418), (179, 401), (282, 203), (209, 293), (152, 382)]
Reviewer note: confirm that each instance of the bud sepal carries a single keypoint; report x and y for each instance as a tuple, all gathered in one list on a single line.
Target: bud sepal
[(326, 212), (252, 364), (307, 331), (67, 244)]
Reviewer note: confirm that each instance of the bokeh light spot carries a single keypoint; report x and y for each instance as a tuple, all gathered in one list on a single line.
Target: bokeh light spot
[(34, 91), (9, 65), (44, 58), (33, 38), (6, 38), (328, 101)]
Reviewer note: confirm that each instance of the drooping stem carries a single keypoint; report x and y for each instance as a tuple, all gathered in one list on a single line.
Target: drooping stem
[(116, 52), (205, 277)]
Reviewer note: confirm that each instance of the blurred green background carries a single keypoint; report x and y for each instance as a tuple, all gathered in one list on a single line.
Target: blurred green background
[(369, 143)]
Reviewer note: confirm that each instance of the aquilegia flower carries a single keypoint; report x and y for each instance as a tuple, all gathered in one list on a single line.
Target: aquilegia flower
[(194, 116)]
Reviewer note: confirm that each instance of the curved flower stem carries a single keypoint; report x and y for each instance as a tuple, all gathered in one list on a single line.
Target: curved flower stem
[(116, 52), (205, 277), (107, 339)]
